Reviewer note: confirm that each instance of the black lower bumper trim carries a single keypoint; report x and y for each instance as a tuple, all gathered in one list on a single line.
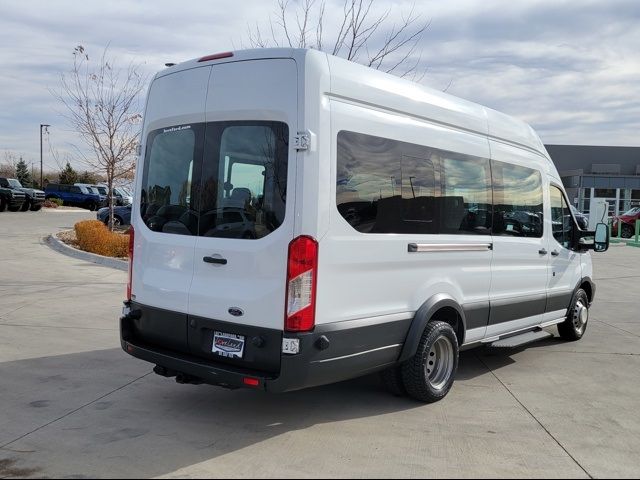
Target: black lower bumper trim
[(181, 364), (331, 353)]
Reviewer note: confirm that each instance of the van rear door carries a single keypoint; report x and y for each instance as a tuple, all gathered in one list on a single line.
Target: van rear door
[(173, 140), (246, 212)]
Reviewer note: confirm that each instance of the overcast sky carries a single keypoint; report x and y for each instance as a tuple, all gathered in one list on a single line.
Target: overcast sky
[(569, 68)]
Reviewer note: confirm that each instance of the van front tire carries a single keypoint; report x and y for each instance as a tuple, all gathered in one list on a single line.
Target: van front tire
[(575, 325), (429, 374)]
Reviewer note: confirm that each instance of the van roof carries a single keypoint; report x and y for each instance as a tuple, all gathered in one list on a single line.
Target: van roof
[(354, 82)]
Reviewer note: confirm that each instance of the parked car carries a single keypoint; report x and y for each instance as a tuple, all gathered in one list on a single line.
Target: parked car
[(11, 198), (317, 296), (33, 197), (121, 196), (121, 215), (74, 195), (95, 190), (628, 222)]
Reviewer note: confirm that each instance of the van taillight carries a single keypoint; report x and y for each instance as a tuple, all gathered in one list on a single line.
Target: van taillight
[(131, 241), (302, 276)]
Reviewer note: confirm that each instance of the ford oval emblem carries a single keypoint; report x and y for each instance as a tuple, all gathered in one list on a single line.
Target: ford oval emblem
[(236, 312)]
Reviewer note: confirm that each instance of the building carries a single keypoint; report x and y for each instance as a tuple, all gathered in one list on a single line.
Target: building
[(609, 173)]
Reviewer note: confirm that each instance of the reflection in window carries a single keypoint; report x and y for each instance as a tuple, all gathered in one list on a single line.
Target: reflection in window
[(517, 198), (561, 220), (166, 185), (369, 182), (466, 195), (245, 178), (418, 194), (385, 186), (228, 180)]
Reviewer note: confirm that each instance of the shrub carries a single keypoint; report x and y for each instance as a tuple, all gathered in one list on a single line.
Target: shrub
[(53, 203), (93, 236)]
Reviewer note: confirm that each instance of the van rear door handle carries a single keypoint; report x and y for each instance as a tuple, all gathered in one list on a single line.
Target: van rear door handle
[(555, 253), (542, 251), (219, 261)]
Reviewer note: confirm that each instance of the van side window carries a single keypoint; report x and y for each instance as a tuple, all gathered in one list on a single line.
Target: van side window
[(466, 194), (385, 186), (517, 200), (561, 219)]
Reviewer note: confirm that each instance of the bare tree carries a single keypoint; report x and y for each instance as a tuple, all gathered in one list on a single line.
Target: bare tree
[(9, 163), (103, 106), (360, 35)]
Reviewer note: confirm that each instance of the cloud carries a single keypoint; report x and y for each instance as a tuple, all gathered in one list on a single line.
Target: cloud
[(571, 69)]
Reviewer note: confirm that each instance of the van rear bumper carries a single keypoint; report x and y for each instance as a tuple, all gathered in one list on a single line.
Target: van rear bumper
[(331, 353)]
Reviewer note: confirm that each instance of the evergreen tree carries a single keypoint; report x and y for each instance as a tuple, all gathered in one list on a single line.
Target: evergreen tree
[(88, 177), (22, 173), (68, 176)]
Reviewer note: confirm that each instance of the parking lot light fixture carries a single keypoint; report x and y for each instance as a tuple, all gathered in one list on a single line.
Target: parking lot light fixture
[(45, 127)]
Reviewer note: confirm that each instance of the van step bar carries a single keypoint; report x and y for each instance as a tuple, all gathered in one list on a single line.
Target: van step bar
[(521, 339)]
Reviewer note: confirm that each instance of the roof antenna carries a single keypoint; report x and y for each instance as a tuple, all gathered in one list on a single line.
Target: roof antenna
[(169, 64)]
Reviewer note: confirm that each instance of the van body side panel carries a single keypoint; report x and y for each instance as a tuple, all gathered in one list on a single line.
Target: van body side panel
[(349, 81), (374, 274), (313, 166), (163, 263), (518, 269), (254, 276)]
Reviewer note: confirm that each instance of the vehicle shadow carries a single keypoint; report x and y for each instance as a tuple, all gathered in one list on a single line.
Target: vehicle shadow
[(152, 426)]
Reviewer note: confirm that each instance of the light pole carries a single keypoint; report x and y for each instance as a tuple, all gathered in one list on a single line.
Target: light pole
[(45, 127)]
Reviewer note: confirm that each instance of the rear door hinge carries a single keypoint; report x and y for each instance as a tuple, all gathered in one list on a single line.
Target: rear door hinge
[(302, 141)]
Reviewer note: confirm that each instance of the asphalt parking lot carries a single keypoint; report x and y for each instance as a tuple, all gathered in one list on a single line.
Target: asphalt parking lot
[(72, 404)]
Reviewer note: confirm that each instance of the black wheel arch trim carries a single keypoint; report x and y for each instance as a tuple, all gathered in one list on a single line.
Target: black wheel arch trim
[(592, 285), (422, 317)]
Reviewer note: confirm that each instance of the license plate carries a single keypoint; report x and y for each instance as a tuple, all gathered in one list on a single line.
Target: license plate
[(228, 345)]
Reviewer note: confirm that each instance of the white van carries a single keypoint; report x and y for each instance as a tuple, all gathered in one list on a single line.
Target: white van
[(301, 220)]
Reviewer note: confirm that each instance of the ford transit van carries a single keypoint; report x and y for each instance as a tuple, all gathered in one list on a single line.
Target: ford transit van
[(301, 220)]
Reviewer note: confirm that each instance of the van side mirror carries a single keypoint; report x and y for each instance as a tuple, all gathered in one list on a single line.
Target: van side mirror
[(601, 238)]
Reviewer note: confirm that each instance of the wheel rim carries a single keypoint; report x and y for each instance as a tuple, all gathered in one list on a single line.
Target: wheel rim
[(439, 363), (116, 222), (580, 316)]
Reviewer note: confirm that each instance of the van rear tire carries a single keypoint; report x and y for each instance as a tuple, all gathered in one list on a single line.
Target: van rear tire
[(392, 380), (575, 325), (429, 374)]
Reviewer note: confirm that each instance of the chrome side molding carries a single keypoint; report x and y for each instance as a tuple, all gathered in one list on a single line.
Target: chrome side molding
[(449, 247)]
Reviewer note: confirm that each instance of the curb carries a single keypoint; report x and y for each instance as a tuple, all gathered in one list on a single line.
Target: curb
[(62, 247)]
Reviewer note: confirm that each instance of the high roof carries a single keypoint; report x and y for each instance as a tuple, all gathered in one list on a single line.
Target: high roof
[(363, 84)]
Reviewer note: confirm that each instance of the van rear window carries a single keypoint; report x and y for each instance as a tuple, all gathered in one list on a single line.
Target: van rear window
[(220, 179)]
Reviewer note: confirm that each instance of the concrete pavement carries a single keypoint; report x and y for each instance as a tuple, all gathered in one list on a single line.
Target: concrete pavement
[(72, 404)]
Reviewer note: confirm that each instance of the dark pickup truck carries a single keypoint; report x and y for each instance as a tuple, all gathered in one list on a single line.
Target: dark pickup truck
[(12, 198), (33, 198)]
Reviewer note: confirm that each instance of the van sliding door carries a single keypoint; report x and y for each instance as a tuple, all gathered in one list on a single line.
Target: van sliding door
[(519, 265)]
